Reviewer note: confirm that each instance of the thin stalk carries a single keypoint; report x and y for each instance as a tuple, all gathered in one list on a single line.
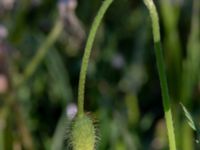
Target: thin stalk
[(29, 70), (162, 74), (43, 49), (87, 52)]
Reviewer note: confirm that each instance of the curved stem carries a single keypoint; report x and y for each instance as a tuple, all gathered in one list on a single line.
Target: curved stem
[(162, 75), (84, 66)]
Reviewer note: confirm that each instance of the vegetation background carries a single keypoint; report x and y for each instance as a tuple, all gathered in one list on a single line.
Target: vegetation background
[(122, 87)]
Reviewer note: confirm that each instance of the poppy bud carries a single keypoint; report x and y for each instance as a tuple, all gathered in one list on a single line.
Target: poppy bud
[(83, 133)]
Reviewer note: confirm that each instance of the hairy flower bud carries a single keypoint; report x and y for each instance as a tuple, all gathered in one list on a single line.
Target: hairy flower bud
[(83, 133)]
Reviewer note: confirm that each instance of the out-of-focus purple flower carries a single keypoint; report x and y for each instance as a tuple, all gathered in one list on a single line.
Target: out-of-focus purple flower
[(66, 6), (118, 61), (7, 4), (3, 84), (72, 25), (3, 32), (71, 110)]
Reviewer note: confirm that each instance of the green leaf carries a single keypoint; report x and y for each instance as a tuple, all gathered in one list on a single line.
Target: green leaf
[(190, 120)]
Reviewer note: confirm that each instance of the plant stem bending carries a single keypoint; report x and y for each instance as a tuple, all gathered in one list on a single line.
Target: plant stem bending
[(87, 52), (162, 75)]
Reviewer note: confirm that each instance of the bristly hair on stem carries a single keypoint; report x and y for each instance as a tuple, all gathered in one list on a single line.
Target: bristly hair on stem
[(87, 52), (161, 71)]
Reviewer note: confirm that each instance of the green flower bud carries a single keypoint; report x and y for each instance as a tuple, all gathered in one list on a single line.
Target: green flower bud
[(83, 133)]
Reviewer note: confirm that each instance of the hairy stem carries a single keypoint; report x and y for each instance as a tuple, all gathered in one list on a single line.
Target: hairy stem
[(87, 53), (162, 75)]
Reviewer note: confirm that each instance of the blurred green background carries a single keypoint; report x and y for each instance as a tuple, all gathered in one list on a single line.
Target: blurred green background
[(41, 48)]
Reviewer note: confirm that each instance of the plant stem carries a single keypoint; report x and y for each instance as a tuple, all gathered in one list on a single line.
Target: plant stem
[(43, 49), (165, 95), (86, 56), (162, 75)]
